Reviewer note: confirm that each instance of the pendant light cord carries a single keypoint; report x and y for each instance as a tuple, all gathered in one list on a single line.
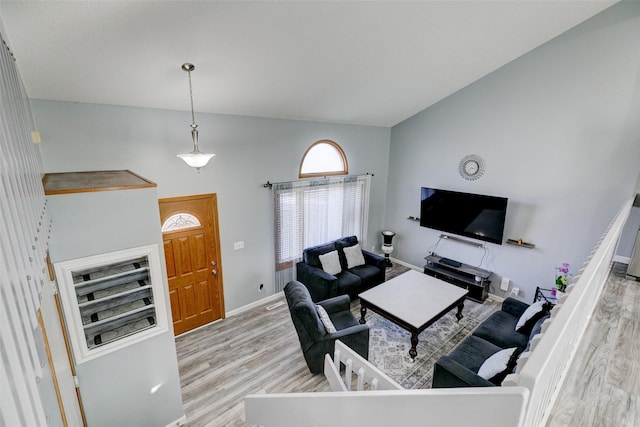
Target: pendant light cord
[(193, 117)]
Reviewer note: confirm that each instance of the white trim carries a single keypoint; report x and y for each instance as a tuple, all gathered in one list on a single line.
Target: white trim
[(64, 273), (254, 304), (179, 422), (406, 264), (496, 297), (237, 311), (622, 259)]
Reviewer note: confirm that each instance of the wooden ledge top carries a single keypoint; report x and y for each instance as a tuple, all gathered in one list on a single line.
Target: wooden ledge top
[(83, 182)]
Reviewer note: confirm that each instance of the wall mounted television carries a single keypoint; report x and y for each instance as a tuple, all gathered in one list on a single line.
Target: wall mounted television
[(471, 215)]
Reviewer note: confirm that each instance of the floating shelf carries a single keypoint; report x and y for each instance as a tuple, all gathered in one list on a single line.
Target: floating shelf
[(521, 243)]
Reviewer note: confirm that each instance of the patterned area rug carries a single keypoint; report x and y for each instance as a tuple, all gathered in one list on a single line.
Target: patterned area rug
[(389, 344)]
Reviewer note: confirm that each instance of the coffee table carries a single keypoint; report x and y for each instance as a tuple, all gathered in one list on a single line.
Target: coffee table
[(413, 301)]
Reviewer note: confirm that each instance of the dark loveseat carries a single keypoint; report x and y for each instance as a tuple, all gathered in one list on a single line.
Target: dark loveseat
[(349, 281), (498, 332), (315, 339)]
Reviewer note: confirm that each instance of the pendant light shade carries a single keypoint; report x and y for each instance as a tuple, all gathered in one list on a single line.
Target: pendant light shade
[(196, 159)]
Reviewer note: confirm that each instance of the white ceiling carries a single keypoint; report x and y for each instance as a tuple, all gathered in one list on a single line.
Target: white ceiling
[(359, 62)]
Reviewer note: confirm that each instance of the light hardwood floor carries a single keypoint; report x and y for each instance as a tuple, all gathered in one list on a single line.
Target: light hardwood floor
[(258, 350), (254, 351), (248, 353), (603, 385)]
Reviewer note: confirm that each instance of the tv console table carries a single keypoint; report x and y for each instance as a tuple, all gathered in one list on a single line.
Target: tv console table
[(474, 279)]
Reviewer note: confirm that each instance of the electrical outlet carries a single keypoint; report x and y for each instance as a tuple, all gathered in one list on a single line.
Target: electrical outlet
[(504, 285), (515, 291), (238, 245)]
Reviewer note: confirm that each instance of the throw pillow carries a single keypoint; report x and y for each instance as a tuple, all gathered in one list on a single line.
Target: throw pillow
[(354, 256), (533, 311), (496, 364), (331, 263), (326, 321)]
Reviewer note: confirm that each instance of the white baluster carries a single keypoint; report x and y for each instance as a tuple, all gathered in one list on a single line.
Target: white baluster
[(360, 385)]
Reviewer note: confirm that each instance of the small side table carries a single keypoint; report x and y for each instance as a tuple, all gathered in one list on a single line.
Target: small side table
[(543, 294)]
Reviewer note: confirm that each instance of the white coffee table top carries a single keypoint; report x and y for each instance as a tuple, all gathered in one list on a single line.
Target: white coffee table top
[(414, 297)]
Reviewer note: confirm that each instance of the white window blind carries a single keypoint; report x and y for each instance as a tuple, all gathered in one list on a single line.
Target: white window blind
[(313, 212)]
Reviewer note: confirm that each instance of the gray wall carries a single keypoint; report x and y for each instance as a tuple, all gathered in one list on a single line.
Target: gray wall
[(559, 131), (85, 224), (249, 151)]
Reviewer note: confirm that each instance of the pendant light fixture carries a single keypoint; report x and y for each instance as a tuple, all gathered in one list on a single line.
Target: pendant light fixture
[(196, 159)]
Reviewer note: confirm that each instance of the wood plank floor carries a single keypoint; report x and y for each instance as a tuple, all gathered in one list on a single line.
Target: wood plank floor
[(259, 351), (603, 384), (252, 352), (255, 351)]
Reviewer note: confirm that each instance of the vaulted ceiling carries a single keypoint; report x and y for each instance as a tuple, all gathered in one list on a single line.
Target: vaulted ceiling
[(358, 62)]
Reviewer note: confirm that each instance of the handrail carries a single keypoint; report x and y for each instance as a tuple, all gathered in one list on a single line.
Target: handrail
[(462, 407), (542, 371)]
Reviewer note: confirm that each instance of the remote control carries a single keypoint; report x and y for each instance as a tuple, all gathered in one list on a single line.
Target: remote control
[(451, 262)]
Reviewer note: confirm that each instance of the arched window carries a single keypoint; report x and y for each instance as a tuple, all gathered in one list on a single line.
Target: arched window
[(323, 158), (180, 221)]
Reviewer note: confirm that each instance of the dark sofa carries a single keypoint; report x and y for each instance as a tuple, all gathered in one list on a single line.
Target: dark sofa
[(353, 281), (315, 340), (498, 332)]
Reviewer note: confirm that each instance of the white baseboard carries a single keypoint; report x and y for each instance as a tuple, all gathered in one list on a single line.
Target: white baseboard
[(277, 295), (254, 304), (622, 259), (496, 297), (406, 264), (237, 311), (179, 422)]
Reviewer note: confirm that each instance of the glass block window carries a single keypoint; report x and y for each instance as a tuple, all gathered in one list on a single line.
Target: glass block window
[(180, 221), (112, 299), (323, 158)]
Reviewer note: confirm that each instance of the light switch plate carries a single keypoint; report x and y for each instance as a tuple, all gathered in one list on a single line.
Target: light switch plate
[(504, 285)]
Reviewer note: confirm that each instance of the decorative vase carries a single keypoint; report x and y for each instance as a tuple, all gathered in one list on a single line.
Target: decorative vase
[(387, 247)]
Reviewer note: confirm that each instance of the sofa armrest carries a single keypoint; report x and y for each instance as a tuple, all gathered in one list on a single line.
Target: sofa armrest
[(342, 334), (514, 307), (374, 259), (449, 373), (321, 285), (356, 338), (336, 304)]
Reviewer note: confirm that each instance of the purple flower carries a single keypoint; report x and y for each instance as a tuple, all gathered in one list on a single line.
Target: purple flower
[(562, 279), (564, 269)]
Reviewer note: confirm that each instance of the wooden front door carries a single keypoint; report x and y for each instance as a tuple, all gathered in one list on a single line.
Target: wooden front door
[(192, 253)]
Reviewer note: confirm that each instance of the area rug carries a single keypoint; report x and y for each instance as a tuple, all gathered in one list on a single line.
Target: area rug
[(389, 344)]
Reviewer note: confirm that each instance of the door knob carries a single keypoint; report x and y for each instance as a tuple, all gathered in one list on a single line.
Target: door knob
[(213, 263), (214, 272)]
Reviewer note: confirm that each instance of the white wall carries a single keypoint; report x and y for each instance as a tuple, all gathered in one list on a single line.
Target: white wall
[(249, 151), (559, 129)]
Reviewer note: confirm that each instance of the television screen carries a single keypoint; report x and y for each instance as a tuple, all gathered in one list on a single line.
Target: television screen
[(471, 215)]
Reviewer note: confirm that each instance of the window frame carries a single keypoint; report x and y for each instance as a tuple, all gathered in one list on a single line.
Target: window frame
[(345, 164)]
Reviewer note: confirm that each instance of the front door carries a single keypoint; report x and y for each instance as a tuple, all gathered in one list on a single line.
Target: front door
[(192, 253)]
